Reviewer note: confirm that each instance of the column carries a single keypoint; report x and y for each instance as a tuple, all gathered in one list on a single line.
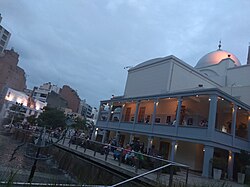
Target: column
[(173, 150), (104, 136), (178, 114), (154, 114), (109, 114), (131, 138), (207, 164), (117, 137), (150, 143), (233, 128), (136, 113), (230, 165), (120, 116), (212, 116)]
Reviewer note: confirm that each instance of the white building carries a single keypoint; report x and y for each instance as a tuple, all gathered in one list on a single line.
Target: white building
[(29, 106), (42, 92), (190, 114), (85, 109), (4, 37)]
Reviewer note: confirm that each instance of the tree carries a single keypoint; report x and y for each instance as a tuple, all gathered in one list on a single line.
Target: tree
[(79, 124), (32, 120), (51, 118)]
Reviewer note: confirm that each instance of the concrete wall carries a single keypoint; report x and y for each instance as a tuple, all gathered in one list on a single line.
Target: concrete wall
[(148, 80), (190, 154), (185, 79)]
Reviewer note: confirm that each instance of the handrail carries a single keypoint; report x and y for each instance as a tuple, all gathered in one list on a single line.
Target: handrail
[(46, 184), (141, 175), (146, 155)]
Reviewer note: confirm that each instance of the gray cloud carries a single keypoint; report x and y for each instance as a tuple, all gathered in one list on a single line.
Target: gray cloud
[(86, 44)]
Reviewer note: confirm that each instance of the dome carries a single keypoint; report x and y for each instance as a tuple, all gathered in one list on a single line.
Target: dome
[(215, 57)]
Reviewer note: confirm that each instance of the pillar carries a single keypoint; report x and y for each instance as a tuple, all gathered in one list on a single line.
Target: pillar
[(121, 114), (136, 113), (131, 138), (150, 142), (104, 136), (178, 114), (173, 150), (230, 165), (233, 126), (207, 165), (154, 114), (212, 116)]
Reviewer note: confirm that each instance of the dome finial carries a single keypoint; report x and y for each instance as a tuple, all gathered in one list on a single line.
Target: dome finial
[(219, 45)]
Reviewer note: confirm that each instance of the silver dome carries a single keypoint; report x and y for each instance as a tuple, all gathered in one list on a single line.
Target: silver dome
[(215, 57)]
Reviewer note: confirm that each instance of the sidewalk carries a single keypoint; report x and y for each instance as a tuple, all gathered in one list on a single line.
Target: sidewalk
[(151, 178)]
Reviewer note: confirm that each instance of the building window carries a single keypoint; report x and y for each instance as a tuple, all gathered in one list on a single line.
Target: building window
[(166, 111), (195, 111), (224, 115), (43, 95), (6, 32), (4, 37), (242, 123), (145, 112), (2, 42)]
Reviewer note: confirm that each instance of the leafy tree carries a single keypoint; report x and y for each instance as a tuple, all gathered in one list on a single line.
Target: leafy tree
[(79, 124), (32, 119), (51, 118)]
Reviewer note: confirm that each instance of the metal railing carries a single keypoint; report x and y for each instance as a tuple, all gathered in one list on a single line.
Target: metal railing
[(96, 146)]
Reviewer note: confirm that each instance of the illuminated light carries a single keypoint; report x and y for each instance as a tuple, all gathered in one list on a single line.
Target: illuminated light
[(209, 99), (157, 103), (233, 109), (222, 99), (175, 147), (19, 100), (96, 129), (248, 117), (112, 112), (169, 97), (123, 105), (151, 142), (197, 95), (37, 107), (203, 150), (239, 108)]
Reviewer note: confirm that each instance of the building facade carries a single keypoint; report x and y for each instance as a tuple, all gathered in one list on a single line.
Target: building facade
[(11, 75), (85, 109), (41, 93), (190, 114), (29, 105), (71, 97), (4, 38)]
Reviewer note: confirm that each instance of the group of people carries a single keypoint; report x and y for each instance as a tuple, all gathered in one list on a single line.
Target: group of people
[(133, 153)]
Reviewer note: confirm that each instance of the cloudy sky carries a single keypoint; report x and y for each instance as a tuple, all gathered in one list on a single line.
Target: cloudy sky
[(87, 43)]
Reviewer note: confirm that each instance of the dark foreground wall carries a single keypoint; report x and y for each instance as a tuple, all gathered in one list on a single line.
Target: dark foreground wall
[(88, 171)]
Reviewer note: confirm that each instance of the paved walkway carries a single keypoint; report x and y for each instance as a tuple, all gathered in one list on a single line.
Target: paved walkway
[(193, 179)]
